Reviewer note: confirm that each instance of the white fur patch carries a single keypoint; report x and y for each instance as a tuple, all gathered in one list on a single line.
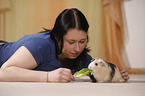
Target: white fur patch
[(102, 71)]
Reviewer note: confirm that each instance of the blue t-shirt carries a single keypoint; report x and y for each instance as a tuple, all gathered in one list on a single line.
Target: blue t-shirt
[(42, 47)]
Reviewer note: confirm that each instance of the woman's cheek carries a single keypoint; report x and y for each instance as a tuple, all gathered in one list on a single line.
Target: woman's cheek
[(83, 46)]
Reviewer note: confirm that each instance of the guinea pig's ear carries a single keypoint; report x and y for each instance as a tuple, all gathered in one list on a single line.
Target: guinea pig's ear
[(102, 63), (106, 62)]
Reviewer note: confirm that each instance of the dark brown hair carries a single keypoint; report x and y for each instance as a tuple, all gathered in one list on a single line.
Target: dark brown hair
[(68, 19)]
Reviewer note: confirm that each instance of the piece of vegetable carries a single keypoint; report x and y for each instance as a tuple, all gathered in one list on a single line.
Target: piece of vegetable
[(82, 73)]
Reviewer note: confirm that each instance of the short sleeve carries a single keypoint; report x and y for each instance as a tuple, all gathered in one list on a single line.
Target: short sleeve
[(38, 47)]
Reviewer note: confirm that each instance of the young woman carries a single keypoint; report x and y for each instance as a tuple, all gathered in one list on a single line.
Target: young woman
[(50, 56)]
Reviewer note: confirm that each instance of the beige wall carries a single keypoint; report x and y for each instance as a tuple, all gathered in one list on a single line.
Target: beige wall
[(21, 17), (134, 52)]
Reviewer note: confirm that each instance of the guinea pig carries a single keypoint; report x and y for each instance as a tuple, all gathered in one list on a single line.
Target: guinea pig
[(102, 71)]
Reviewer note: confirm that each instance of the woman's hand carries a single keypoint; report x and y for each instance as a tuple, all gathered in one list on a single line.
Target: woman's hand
[(61, 75), (125, 74)]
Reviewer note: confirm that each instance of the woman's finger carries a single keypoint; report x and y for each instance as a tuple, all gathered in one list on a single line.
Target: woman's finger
[(67, 72), (65, 79)]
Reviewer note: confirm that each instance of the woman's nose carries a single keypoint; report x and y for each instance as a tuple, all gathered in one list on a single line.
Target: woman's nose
[(77, 47)]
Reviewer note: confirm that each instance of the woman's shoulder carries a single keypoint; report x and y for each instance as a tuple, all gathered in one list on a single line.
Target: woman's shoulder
[(36, 36), (35, 43), (39, 46), (38, 39)]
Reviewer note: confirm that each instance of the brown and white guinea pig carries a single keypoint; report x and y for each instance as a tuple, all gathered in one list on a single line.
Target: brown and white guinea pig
[(102, 71)]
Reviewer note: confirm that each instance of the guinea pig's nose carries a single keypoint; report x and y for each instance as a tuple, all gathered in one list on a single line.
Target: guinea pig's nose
[(90, 67)]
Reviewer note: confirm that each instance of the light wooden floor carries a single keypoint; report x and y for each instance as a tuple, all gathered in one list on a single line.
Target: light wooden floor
[(82, 87)]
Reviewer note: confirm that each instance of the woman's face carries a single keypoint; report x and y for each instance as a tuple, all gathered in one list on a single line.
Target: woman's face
[(74, 43)]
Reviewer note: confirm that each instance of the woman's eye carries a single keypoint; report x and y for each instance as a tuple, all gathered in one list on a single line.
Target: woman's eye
[(82, 41), (71, 42)]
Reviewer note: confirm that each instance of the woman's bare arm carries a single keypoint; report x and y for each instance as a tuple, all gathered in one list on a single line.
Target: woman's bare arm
[(19, 68)]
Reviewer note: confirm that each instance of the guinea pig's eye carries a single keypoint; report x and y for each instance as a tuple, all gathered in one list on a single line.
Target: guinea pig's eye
[(96, 64)]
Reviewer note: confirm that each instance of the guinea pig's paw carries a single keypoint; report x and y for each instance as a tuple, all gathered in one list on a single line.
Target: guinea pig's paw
[(92, 78)]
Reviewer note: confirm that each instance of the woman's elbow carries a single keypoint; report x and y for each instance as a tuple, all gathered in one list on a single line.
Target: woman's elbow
[(4, 75), (1, 76)]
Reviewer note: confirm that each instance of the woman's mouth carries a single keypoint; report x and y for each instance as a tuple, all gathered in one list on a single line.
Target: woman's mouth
[(74, 54)]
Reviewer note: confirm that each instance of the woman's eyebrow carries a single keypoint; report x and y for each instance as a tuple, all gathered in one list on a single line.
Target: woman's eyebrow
[(84, 39), (75, 40)]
